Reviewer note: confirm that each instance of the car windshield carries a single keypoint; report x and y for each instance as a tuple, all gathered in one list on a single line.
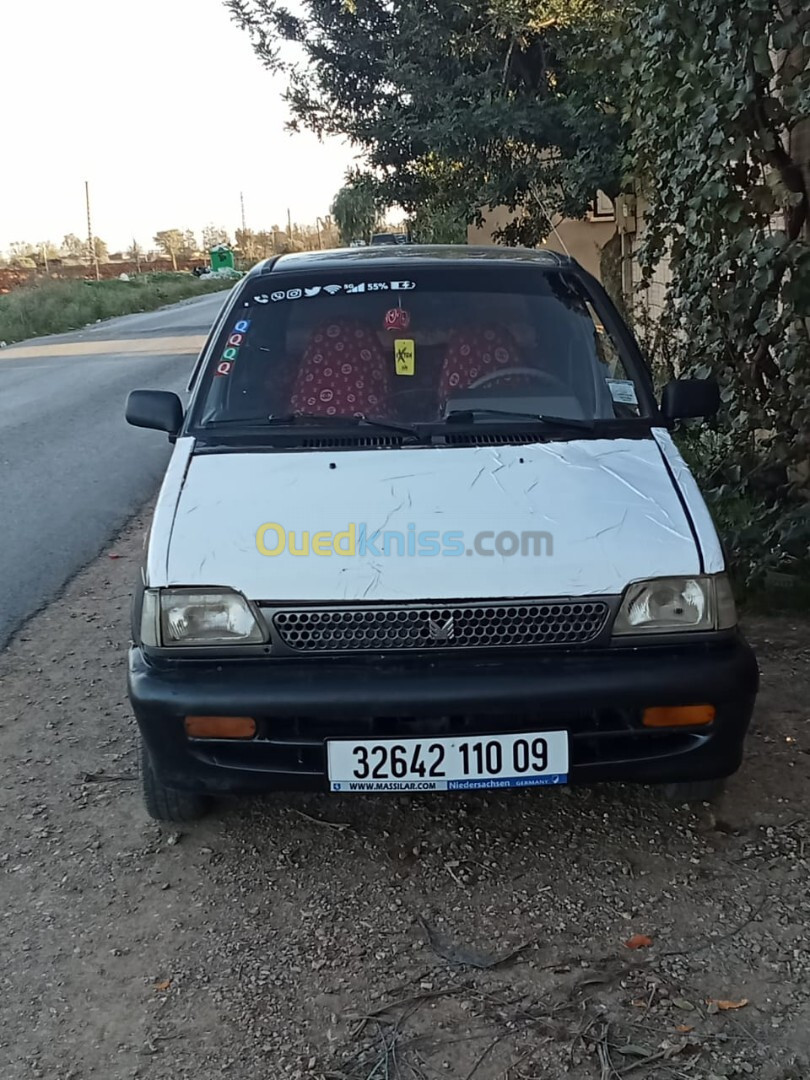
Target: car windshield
[(490, 344)]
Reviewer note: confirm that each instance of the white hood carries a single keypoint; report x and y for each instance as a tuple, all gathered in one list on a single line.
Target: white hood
[(609, 505)]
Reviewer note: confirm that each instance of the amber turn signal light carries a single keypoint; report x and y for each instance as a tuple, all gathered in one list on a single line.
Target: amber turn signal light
[(220, 727), (678, 715)]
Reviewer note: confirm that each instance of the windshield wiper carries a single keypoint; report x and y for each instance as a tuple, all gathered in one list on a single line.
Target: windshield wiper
[(344, 421), (467, 416), (318, 419)]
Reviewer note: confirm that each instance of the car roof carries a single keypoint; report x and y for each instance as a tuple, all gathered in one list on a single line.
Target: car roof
[(391, 256)]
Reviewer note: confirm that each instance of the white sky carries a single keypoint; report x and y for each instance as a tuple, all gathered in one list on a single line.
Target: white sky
[(122, 94)]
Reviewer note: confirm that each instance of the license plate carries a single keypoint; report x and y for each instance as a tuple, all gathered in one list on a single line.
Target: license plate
[(448, 763)]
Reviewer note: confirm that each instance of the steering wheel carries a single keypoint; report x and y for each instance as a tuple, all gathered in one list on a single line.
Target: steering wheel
[(532, 373)]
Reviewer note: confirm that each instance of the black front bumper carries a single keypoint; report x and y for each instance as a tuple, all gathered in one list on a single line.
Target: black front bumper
[(597, 696)]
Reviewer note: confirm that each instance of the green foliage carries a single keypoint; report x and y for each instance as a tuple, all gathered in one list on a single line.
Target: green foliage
[(355, 211), (55, 306), (436, 224), (719, 108), (458, 105)]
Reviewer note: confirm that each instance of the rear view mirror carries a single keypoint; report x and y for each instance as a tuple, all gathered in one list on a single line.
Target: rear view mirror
[(684, 399), (157, 409)]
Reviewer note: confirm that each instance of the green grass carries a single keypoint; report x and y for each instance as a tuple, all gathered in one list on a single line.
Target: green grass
[(56, 306)]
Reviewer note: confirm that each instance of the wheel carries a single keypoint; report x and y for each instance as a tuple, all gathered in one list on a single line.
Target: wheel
[(165, 803), (693, 791)]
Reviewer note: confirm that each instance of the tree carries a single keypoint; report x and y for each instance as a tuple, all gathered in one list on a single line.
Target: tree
[(329, 234), (170, 241), (21, 249), (355, 211), (135, 254), (73, 247), (718, 96), (22, 254), (460, 105), (265, 244), (100, 248), (438, 225), (213, 235), (188, 248), (249, 244)]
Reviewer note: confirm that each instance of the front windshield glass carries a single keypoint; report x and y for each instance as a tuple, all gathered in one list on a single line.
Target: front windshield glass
[(415, 347)]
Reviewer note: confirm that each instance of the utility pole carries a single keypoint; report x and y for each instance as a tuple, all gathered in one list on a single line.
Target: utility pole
[(91, 246), (242, 201), (45, 257), (289, 225)]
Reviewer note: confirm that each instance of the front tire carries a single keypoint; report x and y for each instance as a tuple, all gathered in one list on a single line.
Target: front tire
[(165, 803), (693, 791)]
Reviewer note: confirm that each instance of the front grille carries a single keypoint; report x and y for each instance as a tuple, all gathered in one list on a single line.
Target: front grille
[(455, 626)]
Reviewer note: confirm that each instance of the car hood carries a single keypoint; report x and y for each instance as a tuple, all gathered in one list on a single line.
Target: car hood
[(606, 512)]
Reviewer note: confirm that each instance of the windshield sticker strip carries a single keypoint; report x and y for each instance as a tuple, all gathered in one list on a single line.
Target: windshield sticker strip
[(350, 288)]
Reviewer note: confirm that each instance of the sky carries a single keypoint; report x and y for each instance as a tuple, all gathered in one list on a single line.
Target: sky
[(163, 107)]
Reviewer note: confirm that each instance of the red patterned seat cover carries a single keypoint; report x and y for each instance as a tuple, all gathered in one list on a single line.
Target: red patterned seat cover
[(476, 352), (342, 373)]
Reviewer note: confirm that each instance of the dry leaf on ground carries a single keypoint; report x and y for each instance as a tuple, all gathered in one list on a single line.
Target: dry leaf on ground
[(724, 1006), (638, 941)]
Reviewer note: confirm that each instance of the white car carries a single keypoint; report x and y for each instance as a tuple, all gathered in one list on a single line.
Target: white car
[(425, 528)]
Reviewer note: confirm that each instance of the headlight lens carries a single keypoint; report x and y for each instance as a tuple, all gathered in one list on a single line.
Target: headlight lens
[(667, 605), (177, 617)]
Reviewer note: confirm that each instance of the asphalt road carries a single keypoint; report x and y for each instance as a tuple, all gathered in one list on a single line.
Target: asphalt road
[(71, 470)]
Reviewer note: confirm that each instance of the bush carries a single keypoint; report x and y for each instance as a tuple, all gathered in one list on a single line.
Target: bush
[(52, 307), (717, 96)]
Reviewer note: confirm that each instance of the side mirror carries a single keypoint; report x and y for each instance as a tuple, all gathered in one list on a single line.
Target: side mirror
[(684, 399), (157, 409)]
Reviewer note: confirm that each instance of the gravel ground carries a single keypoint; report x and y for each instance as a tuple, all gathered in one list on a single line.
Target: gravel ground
[(386, 938)]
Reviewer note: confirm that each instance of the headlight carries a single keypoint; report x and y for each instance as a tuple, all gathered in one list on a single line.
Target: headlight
[(198, 617), (667, 605)]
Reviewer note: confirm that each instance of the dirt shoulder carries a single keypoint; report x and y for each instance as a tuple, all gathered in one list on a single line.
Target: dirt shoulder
[(306, 936)]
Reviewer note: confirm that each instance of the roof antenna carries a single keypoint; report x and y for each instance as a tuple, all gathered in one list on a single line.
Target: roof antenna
[(554, 228)]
